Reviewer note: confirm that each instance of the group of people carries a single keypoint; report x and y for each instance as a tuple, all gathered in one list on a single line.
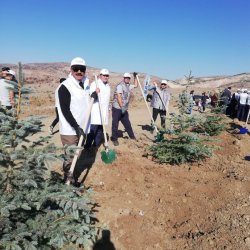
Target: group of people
[(7, 89), (77, 101), (73, 102), (238, 103), (201, 102)]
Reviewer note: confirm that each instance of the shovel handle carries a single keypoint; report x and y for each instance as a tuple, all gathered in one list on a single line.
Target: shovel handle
[(73, 164), (102, 118), (137, 78), (247, 116)]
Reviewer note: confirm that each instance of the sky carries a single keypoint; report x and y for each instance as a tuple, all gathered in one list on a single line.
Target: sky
[(165, 38)]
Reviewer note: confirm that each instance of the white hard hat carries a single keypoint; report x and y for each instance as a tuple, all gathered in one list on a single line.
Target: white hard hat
[(127, 75), (78, 61), (164, 82), (11, 72), (104, 72)]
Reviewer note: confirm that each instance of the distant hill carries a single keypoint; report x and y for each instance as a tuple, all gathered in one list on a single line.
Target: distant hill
[(51, 73)]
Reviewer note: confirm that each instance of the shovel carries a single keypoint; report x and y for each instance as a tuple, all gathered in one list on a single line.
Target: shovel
[(108, 155), (247, 116), (160, 135), (151, 117), (73, 164)]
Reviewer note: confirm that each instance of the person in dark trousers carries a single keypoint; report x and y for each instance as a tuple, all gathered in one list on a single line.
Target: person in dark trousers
[(56, 120), (73, 104), (120, 107), (226, 98), (160, 102), (242, 105), (96, 137), (204, 98)]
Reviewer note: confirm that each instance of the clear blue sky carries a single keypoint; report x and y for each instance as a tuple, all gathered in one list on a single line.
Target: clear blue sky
[(166, 38)]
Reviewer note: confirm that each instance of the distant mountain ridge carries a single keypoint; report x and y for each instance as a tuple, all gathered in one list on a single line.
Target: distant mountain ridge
[(52, 72)]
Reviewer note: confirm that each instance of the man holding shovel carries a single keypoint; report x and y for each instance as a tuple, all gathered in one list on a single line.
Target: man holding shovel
[(95, 137), (120, 107), (160, 101), (74, 100)]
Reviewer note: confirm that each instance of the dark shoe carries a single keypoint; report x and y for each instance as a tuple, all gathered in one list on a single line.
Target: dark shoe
[(116, 143)]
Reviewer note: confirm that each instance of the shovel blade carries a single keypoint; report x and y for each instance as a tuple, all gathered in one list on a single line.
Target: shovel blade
[(108, 156)]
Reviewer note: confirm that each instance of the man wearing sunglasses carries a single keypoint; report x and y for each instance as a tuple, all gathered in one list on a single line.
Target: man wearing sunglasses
[(73, 101)]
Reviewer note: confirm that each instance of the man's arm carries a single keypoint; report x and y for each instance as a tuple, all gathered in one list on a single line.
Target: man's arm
[(119, 99), (135, 80), (64, 101)]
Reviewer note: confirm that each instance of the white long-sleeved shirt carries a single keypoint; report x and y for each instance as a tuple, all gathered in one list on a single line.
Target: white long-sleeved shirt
[(103, 99), (243, 98)]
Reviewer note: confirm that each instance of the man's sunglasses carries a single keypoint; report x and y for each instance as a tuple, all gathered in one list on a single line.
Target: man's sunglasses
[(76, 68)]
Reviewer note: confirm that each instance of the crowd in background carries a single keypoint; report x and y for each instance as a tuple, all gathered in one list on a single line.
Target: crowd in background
[(236, 104)]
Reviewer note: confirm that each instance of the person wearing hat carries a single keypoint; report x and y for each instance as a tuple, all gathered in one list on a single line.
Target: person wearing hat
[(7, 89), (3, 72), (120, 107), (160, 102), (242, 105), (95, 137), (72, 102)]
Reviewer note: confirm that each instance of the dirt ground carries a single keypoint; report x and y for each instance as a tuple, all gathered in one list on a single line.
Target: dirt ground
[(144, 205)]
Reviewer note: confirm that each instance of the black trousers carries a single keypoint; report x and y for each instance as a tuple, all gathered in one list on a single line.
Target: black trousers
[(162, 116), (117, 116), (95, 137)]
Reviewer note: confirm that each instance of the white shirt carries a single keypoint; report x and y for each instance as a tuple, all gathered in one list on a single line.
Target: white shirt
[(79, 106), (103, 98), (5, 92), (248, 99), (243, 98)]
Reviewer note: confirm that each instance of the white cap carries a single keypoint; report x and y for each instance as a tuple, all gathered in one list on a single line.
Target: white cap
[(78, 61), (104, 72), (164, 82), (11, 72), (127, 75)]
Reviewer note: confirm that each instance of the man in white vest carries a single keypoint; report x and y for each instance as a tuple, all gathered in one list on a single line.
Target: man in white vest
[(95, 137), (73, 103)]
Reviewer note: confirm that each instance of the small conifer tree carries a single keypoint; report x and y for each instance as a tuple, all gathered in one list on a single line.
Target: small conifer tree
[(37, 210)]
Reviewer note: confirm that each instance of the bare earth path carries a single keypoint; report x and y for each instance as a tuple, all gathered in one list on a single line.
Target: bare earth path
[(145, 205)]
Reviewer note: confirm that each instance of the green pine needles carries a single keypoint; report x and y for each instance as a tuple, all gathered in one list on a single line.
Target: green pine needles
[(37, 210), (181, 149), (212, 125)]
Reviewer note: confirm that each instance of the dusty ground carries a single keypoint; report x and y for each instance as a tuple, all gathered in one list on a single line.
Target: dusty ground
[(144, 205)]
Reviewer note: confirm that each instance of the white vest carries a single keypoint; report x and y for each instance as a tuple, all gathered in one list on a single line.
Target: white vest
[(5, 89), (104, 96), (79, 104)]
